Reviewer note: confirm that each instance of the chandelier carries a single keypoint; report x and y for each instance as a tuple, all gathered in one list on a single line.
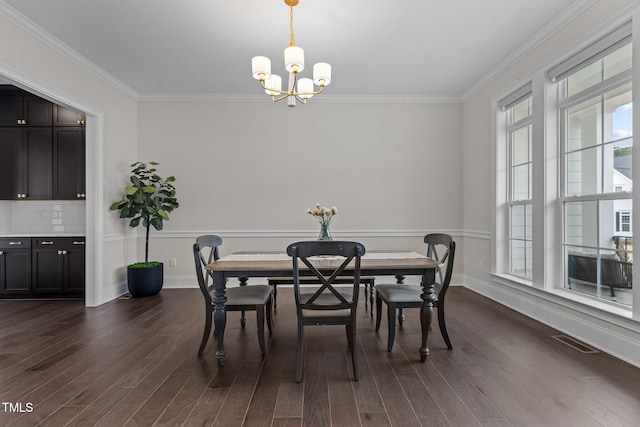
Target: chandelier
[(299, 89)]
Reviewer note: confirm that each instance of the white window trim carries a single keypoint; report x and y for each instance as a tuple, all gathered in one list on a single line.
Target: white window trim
[(547, 214)]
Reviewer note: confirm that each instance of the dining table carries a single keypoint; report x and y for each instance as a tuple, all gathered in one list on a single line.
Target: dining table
[(245, 265)]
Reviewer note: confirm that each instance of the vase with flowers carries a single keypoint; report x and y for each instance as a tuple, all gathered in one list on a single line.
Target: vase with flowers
[(324, 216)]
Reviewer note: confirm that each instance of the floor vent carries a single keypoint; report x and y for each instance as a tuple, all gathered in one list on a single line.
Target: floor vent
[(575, 344), (125, 296)]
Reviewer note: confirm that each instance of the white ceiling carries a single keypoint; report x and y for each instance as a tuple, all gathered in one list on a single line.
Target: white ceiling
[(393, 48)]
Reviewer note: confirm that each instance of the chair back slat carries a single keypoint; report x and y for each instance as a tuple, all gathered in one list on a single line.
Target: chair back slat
[(210, 244), (441, 247), (311, 253)]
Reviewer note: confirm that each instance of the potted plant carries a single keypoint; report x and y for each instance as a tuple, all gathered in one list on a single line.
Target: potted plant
[(147, 201)]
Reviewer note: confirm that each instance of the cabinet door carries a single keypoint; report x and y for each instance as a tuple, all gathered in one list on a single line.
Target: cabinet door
[(12, 163), (11, 109), (39, 153), (64, 116), (74, 279), (15, 267), (37, 111), (22, 109), (68, 163), (48, 270)]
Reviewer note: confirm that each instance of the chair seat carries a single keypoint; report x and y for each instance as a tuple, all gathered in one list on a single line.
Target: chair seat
[(400, 293), (248, 295)]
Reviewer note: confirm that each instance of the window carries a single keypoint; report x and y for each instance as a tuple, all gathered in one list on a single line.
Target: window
[(563, 176), (519, 136), (623, 222), (595, 106)]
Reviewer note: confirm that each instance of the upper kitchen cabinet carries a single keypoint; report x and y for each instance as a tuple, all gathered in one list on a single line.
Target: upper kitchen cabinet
[(68, 163), (20, 108), (26, 163), (42, 156), (64, 116)]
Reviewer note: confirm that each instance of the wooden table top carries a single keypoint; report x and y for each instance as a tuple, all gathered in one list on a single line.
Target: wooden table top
[(245, 261)]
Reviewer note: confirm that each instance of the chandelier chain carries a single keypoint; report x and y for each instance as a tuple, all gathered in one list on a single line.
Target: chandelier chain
[(292, 37)]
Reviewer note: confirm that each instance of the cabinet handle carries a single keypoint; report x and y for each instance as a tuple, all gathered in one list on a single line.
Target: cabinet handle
[(64, 252), (15, 243), (1, 253), (47, 242), (78, 242), (22, 122)]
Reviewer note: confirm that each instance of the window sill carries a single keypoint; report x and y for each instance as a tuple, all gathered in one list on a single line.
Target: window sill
[(622, 316)]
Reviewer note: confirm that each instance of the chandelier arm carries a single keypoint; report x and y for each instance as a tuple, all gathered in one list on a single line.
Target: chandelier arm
[(310, 93), (272, 89)]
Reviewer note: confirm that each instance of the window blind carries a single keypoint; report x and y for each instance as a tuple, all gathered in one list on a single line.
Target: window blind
[(515, 97), (587, 56)]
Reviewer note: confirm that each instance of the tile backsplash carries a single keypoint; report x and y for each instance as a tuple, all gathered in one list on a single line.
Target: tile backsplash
[(50, 216)]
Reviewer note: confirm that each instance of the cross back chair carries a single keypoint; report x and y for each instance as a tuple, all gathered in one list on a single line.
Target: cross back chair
[(441, 248), (256, 298), (325, 304)]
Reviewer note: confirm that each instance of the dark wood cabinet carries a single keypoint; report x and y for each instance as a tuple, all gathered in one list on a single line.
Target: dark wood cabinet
[(15, 267), (39, 158), (68, 163), (20, 108), (65, 116), (26, 163), (58, 267)]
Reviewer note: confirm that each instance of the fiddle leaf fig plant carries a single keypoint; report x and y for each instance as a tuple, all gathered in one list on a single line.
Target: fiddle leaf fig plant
[(148, 200)]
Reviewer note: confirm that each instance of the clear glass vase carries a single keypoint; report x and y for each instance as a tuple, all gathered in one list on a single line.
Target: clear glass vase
[(325, 233)]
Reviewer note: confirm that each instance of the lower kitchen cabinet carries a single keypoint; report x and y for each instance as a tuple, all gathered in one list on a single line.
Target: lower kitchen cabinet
[(42, 267), (58, 266), (15, 267)]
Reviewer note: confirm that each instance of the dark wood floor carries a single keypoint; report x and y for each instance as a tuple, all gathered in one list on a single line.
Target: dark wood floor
[(133, 362)]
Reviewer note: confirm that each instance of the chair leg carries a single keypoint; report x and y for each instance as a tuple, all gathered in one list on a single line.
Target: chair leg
[(378, 311), (260, 320), (366, 294), (300, 362), (351, 339), (207, 331), (443, 326), (270, 315), (275, 294), (243, 319), (372, 290), (391, 319)]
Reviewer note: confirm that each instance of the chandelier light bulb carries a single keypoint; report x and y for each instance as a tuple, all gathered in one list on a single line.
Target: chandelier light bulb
[(305, 88), (273, 86), (261, 67), (322, 74)]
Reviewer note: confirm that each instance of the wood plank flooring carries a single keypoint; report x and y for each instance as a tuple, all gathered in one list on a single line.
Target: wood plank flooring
[(133, 362)]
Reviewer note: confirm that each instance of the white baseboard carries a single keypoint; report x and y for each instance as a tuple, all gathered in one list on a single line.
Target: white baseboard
[(620, 341)]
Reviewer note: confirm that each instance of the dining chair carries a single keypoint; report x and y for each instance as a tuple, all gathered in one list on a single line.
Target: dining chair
[(440, 247), (256, 298), (325, 304)]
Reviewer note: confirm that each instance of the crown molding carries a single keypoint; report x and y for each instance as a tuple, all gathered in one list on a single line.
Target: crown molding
[(38, 32), (369, 99), (547, 31)]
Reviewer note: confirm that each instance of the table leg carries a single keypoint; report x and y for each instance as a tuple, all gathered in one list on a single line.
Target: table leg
[(400, 281), (426, 310), (243, 317), (219, 313)]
